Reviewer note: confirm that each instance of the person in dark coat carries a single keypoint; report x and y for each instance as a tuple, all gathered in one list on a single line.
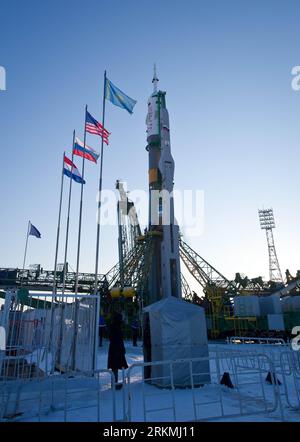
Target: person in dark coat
[(116, 351), (102, 326), (135, 331)]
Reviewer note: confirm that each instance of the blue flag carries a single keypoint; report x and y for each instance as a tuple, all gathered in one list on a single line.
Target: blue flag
[(117, 97), (34, 231)]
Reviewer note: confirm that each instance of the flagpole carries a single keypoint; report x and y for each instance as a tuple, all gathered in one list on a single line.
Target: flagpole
[(51, 342), (80, 210), (98, 303), (99, 193), (68, 219), (25, 253), (58, 225)]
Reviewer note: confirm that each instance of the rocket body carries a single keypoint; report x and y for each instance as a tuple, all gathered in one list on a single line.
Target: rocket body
[(164, 278)]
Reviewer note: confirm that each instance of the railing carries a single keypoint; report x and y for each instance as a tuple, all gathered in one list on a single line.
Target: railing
[(89, 396), (206, 402), (286, 366), (43, 279), (290, 372), (155, 396), (47, 372), (58, 336)]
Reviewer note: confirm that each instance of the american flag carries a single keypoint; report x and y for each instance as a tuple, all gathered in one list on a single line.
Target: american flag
[(94, 127)]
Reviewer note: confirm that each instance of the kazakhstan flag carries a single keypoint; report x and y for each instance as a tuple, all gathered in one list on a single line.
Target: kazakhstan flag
[(117, 97)]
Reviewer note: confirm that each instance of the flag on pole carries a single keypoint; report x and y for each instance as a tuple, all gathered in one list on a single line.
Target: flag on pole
[(117, 97), (85, 151), (71, 171), (33, 231), (94, 127)]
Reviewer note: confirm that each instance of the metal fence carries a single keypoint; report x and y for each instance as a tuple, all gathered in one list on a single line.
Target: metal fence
[(251, 394), (47, 334), (286, 371), (63, 398), (48, 372), (92, 395), (290, 374)]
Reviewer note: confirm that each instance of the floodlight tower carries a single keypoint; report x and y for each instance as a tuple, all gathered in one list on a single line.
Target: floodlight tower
[(267, 223)]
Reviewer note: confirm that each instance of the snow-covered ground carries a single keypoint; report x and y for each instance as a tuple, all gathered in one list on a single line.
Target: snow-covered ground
[(92, 399)]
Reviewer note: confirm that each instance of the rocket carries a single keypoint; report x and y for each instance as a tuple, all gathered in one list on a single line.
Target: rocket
[(164, 277)]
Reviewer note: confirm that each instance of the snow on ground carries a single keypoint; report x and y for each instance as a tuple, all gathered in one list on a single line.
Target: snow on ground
[(90, 399)]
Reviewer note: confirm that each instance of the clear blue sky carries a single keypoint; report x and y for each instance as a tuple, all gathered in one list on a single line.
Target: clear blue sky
[(235, 120)]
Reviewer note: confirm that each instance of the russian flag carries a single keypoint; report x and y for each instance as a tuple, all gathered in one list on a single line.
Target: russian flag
[(71, 171), (85, 151)]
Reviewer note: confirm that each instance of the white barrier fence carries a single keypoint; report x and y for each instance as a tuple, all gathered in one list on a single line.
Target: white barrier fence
[(250, 395), (62, 398), (286, 363), (91, 396), (290, 372), (47, 372), (49, 333)]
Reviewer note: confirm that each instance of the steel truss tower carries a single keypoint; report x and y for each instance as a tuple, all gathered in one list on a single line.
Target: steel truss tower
[(267, 223), (128, 225)]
